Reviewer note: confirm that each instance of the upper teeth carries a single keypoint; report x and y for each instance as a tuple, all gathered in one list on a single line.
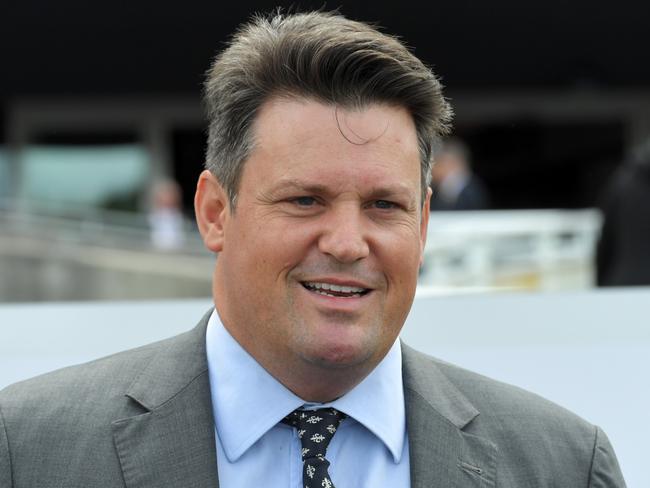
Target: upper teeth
[(332, 287)]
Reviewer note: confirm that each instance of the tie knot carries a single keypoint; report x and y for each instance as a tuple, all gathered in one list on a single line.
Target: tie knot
[(315, 429)]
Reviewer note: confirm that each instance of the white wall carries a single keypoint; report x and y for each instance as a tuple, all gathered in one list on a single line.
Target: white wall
[(588, 351)]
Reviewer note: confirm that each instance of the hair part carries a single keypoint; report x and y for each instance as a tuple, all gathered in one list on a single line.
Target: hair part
[(320, 56)]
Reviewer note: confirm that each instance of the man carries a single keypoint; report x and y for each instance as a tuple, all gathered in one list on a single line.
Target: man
[(316, 199), (455, 186), (622, 257)]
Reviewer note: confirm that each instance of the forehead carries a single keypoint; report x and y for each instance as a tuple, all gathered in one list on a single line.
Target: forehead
[(305, 114), (291, 132)]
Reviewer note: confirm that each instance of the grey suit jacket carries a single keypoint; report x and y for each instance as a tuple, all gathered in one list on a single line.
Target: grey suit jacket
[(143, 418)]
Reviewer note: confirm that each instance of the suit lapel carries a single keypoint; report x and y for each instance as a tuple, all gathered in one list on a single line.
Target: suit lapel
[(172, 442), (442, 453)]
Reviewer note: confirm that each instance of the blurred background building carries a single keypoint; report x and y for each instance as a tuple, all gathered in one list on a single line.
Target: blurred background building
[(100, 103)]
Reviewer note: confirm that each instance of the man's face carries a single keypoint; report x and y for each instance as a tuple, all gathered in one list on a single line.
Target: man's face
[(318, 262)]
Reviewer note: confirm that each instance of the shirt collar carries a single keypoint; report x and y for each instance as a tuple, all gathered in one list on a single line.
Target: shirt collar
[(377, 402)]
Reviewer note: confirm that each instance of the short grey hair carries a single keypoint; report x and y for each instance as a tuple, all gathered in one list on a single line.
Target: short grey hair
[(320, 56)]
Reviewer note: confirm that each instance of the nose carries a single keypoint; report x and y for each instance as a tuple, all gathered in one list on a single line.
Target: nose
[(343, 236)]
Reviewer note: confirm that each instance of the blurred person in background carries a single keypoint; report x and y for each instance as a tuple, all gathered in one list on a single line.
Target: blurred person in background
[(166, 218), (454, 185), (316, 200), (623, 252)]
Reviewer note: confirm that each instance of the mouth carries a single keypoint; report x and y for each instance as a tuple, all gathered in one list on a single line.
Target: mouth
[(335, 291)]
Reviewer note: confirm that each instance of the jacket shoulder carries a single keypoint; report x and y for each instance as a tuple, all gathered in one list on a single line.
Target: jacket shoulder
[(492, 398), (95, 383), (66, 419), (536, 439)]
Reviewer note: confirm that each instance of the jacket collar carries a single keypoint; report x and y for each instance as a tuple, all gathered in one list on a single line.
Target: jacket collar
[(442, 452), (172, 442), (178, 362)]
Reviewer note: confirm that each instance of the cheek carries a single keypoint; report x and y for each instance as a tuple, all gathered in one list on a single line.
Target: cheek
[(270, 255), (400, 251)]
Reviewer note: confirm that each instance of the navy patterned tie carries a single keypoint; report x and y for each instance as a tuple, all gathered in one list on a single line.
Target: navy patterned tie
[(315, 431)]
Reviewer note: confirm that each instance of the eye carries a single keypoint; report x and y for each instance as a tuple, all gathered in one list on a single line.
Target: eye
[(385, 204), (304, 201)]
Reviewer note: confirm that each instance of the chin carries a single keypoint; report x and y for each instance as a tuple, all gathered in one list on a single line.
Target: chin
[(339, 356)]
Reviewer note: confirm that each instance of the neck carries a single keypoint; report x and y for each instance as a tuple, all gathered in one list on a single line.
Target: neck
[(331, 384)]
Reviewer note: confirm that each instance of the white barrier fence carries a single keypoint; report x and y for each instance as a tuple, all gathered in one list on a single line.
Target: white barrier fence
[(588, 351)]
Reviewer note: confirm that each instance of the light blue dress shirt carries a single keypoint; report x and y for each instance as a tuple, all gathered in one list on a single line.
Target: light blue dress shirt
[(370, 448)]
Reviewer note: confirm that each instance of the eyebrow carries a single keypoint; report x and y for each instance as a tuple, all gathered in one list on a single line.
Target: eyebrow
[(296, 184), (378, 192)]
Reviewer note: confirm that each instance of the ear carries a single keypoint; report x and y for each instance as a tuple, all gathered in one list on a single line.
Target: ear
[(212, 208), (424, 224)]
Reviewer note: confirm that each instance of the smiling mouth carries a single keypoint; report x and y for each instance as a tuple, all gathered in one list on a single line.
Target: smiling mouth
[(336, 291)]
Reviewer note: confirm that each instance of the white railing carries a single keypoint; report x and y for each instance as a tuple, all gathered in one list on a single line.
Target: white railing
[(82, 224), (529, 249)]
